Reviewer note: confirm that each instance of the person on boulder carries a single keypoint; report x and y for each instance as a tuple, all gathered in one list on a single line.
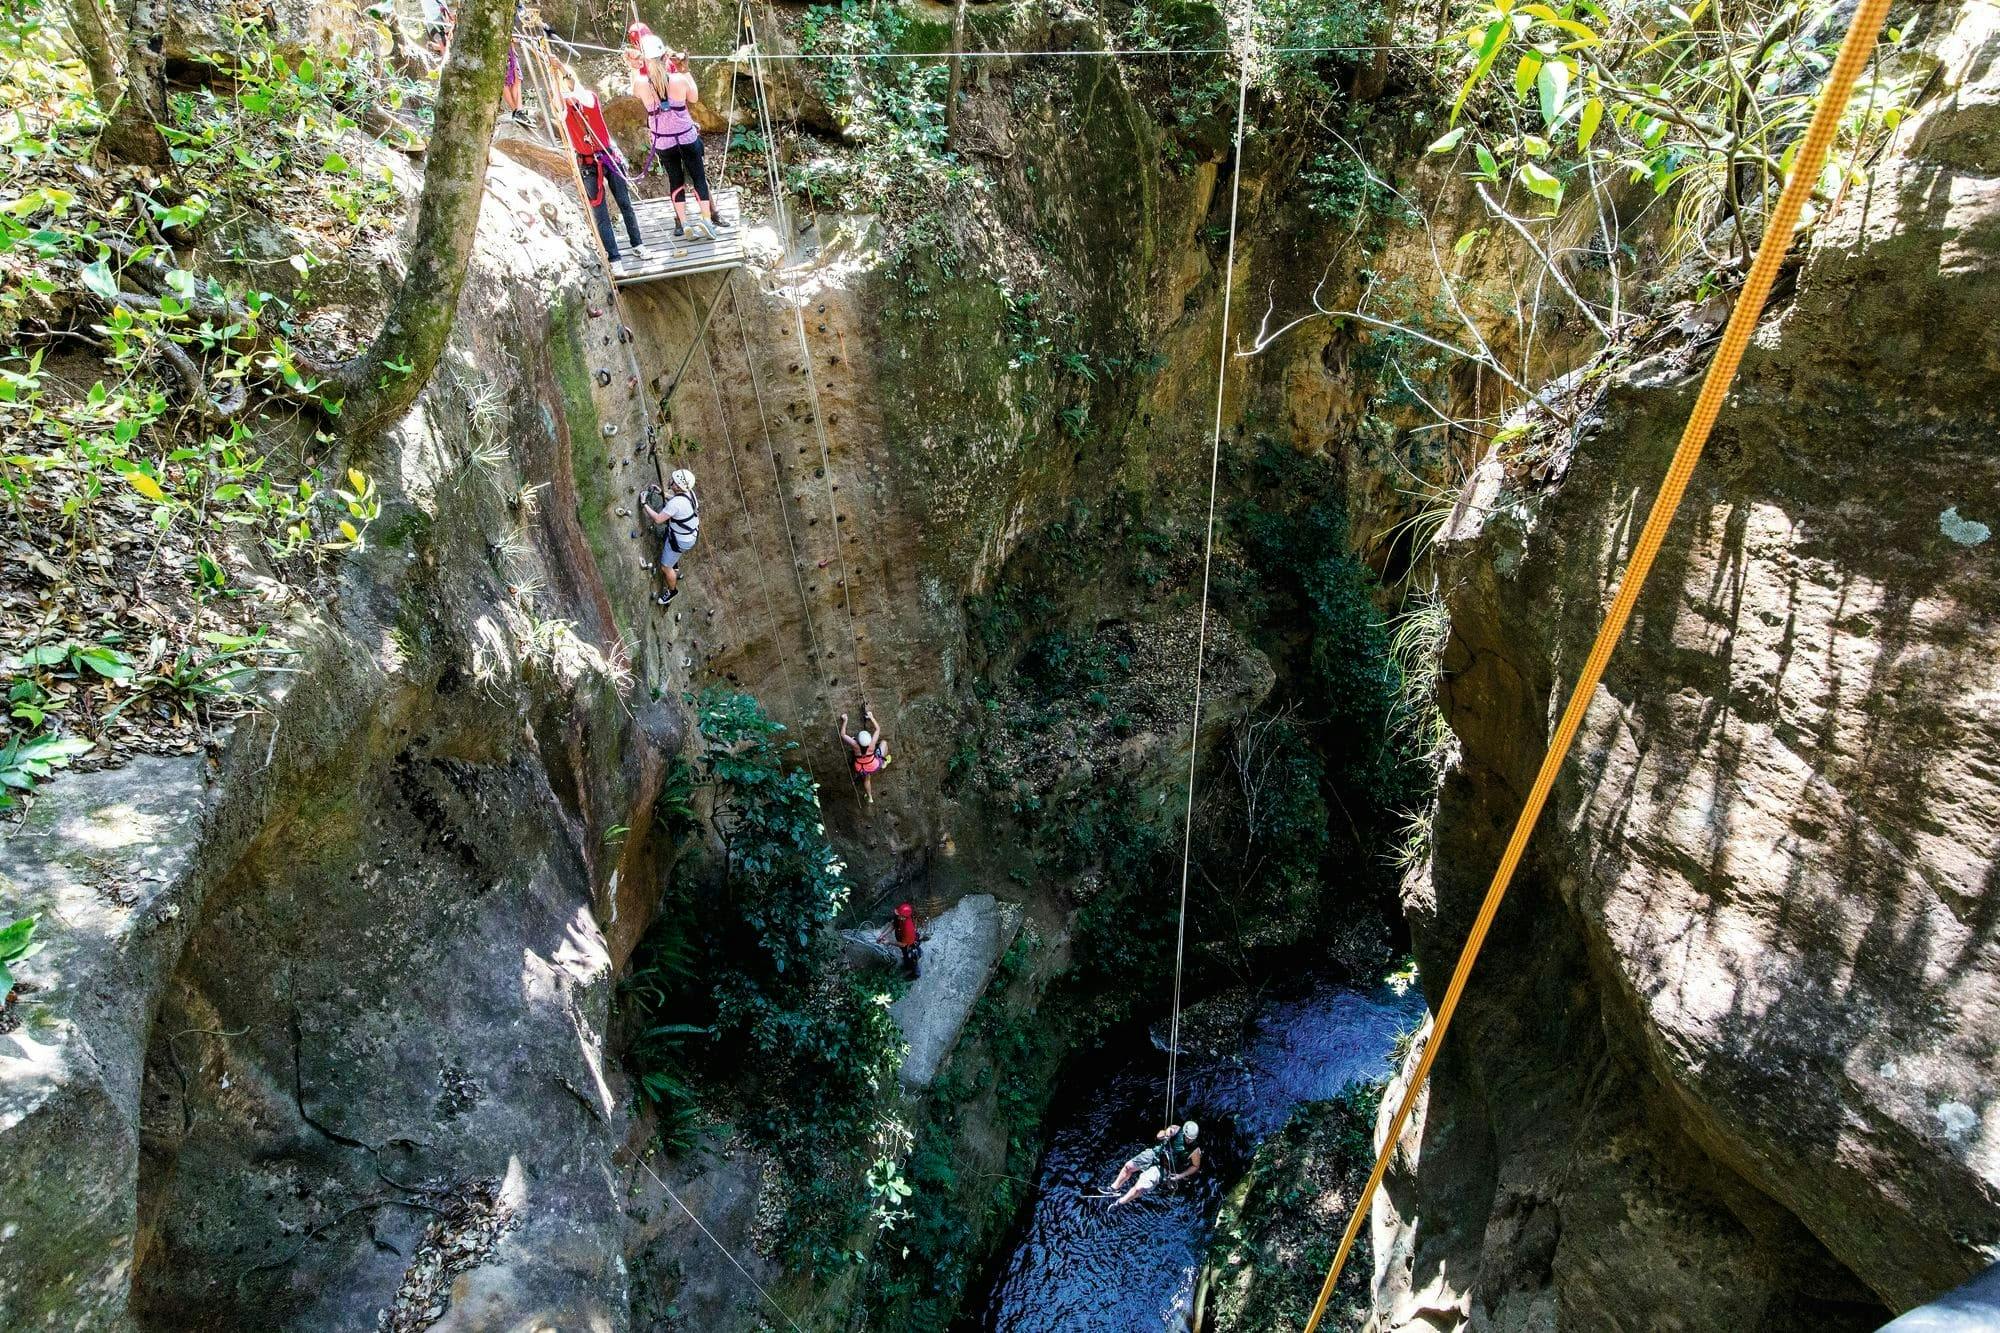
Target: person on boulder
[(603, 167), (661, 82), (1173, 1144), (678, 523), (902, 932), (868, 752)]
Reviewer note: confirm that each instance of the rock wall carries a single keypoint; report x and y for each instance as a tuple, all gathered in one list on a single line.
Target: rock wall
[(1728, 1058)]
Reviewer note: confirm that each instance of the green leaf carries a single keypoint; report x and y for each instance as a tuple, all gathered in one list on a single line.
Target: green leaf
[(334, 162), (1541, 182), (1586, 123), (1489, 51), (1448, 140), (97, 277), (15, 938), (1552, 87), (1488, 167), (1526, 72)]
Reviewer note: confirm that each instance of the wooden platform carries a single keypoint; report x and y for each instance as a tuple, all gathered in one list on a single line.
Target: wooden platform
[(669, 256)]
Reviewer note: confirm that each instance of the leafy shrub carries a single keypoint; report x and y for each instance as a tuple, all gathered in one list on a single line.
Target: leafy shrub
[(751, 988)]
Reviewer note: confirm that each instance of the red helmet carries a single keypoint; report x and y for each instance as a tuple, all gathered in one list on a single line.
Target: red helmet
[(636, 31), (905, 910)]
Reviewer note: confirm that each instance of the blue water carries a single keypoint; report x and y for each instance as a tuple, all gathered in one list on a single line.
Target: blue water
[(1085, 1267)]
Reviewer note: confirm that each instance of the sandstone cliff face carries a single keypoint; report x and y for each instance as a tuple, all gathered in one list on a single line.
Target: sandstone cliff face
[(1728, 1061)]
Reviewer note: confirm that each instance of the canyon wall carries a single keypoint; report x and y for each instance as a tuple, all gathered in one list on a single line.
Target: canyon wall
[(1728, 1057)]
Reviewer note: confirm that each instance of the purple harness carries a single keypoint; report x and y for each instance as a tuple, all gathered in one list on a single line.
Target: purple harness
[(670, 125)]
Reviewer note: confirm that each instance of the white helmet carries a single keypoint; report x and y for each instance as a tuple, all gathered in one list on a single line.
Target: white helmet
[(1189, 1130), (683, 479), (651, 47), (864, 738)]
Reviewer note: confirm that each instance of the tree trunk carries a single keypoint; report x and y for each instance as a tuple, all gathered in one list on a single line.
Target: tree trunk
[(138, 91), (951, 95), (1372, 78), (91, 29), (383, 381)]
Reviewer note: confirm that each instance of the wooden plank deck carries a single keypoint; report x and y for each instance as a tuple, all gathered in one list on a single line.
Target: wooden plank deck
[(668, 256)]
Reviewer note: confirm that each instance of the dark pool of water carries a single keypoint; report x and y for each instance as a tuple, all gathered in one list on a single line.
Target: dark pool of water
[(1082, 1265)]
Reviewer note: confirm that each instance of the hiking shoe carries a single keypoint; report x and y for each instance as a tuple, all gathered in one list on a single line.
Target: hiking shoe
[(679, 228), (665, 598), (721, 222)]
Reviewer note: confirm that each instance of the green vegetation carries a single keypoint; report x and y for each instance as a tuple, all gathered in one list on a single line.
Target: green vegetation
[(1001, 1080), (899, 164), (17, 943), (152, 395), (1272, 1243), (743, 980), (1706, 100)]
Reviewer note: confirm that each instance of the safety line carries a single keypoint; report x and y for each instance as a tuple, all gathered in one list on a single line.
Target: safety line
[(1120, 52), (1207, 559), (778, 481), (749, 518), (1855, 50), (768, 1298), (775, 173)]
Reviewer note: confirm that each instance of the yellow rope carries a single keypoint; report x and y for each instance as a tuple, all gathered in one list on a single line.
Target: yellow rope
[(1855, 50)]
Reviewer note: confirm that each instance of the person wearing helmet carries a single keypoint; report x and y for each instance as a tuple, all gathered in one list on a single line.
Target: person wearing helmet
[(678, 520), (1172, 1145), (601, 167), (663, 85), (867, 753), (902, 932)]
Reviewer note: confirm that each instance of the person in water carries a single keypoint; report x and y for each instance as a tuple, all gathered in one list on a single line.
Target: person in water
[(1173, 1145), (868, 752), (663, 85), (598, 159), (902, 932), (678, 519)]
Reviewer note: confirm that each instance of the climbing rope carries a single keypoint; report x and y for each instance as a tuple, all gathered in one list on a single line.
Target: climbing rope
[(1855, 50), (775, 175), (778, 481), (743, 503), (768, 1298), (1207, 559)]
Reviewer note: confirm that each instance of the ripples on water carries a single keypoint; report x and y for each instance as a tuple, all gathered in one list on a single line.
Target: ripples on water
[(1083, 1266)]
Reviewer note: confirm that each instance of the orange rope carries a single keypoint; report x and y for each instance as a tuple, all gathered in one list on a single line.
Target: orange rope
[(1855, 50)]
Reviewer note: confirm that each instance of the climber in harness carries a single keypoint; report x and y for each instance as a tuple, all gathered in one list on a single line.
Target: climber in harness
[(510, 85), (902, 932), (661, 82), (1174, 1144), (867, 753), (676, 522), (603, 168)]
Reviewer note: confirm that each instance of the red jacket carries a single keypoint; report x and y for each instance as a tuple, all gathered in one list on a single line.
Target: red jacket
[(583, 121), (906, 931)]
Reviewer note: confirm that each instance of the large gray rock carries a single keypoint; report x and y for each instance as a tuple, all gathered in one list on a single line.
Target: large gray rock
[(961, 947), (102, 862)]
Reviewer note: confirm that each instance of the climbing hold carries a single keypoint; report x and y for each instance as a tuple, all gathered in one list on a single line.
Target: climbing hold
[(635, 532), (824, 563), (795, 367), (624, 334), (610, 429), (603, 378), (632, 386), (596, 313)]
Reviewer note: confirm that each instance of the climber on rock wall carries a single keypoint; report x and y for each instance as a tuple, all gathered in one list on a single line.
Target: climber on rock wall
[(1158, 1162), (677, 523), (867, 753)]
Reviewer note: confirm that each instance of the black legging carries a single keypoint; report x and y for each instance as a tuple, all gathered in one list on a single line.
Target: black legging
[(687, 162), (600, 180)]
